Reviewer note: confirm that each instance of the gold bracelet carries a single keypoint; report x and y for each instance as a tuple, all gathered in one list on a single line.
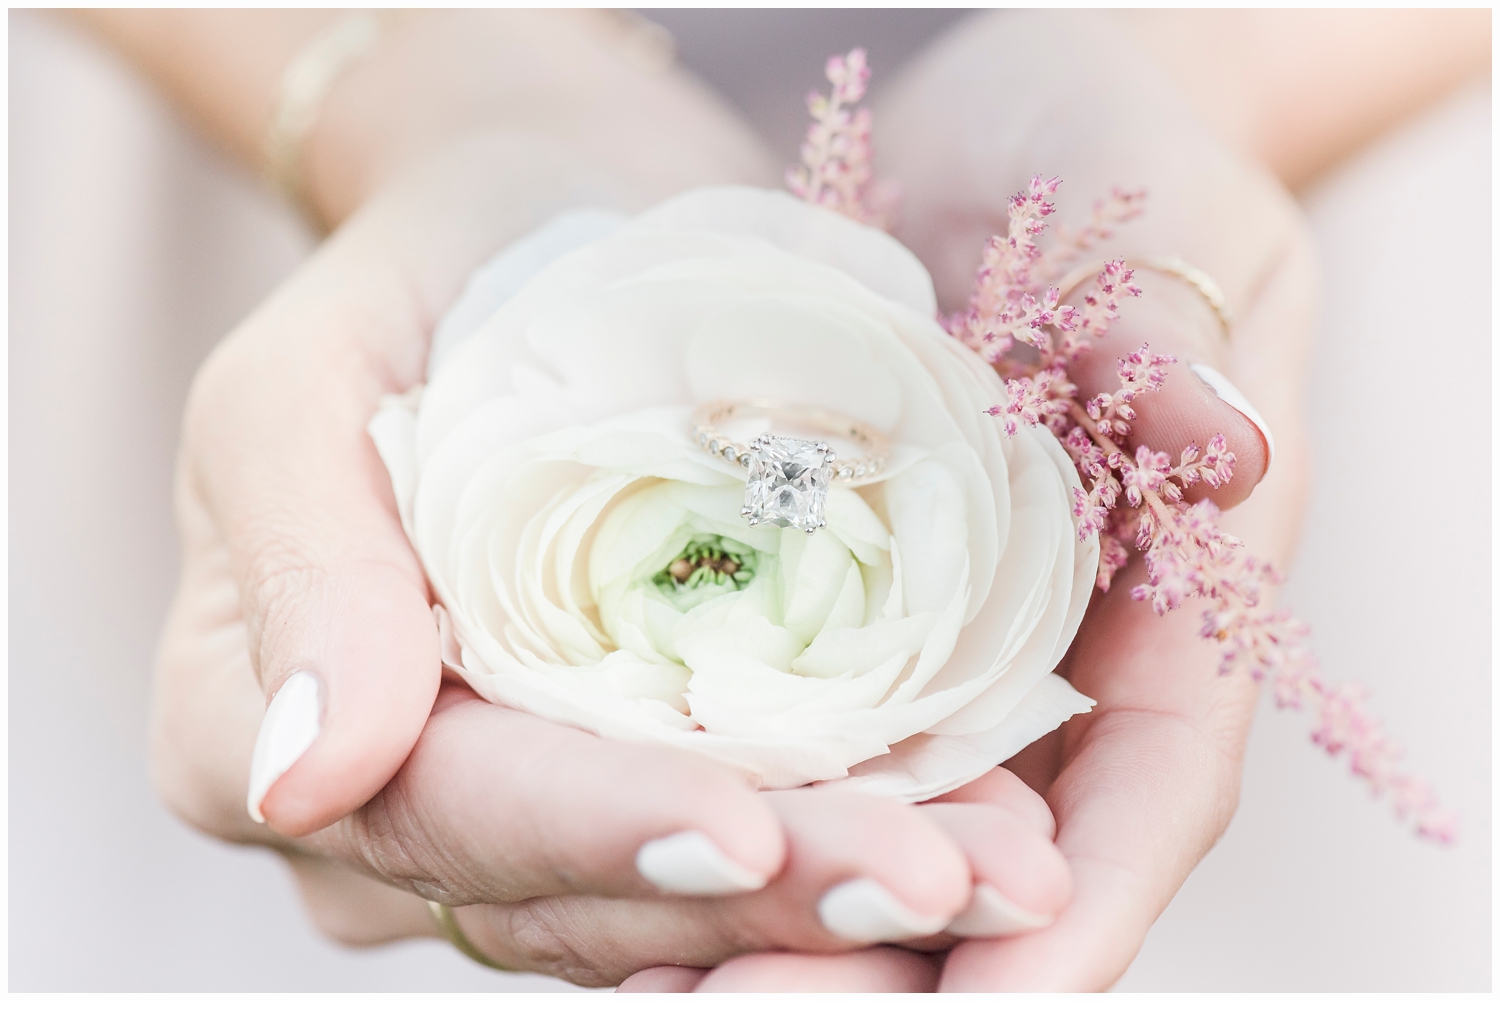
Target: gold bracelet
[(305, 83), (447, 925), (1172, 266)]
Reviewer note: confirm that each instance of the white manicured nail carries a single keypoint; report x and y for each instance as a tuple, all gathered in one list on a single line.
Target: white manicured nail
[(1230, 394), (865, 912), (289, 728), (991, 913), (690, 863)]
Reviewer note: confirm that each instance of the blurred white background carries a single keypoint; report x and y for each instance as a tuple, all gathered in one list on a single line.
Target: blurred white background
[(133, 247)]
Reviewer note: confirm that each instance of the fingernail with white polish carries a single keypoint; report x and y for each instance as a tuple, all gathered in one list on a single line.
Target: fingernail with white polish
[(289, 728), (1230, 394), (865, 912), (991, 913), (690, 863)]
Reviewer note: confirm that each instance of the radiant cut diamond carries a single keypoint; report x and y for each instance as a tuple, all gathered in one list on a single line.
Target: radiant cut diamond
[(788, 482)]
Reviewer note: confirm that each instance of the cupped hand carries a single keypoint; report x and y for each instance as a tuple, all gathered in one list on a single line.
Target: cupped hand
[(382, 785), (1144, 785)]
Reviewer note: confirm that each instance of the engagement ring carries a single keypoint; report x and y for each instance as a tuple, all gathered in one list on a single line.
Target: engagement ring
[(789, 477)]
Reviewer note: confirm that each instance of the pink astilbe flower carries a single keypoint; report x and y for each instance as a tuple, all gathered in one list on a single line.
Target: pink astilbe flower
[(1147, 473), (1214, 467), (1006, 306), (1035, 399), (1188, 556), (1101, 306), (1135, 493), (838, 161), (1140, 372), (1017, 321)]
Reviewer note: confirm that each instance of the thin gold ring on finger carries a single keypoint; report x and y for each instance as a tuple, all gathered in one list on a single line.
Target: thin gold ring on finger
[(1170, 265), (447, 925)]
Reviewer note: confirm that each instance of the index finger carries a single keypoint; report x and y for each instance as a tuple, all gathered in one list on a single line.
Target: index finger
[(495, 805)]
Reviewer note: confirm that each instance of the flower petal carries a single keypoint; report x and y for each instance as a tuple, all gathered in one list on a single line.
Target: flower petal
[(867, 254), (925, 766)]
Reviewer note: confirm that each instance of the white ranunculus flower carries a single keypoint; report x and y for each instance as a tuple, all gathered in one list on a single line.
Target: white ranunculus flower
[(548, 480)]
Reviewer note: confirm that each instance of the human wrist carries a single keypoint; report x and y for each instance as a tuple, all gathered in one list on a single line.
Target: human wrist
[(575, 81)]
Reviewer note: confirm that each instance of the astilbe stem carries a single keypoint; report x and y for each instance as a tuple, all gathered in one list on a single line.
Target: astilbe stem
[(1017, 321)]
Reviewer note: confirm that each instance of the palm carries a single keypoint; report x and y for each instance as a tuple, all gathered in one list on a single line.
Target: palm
[(1141, 788)]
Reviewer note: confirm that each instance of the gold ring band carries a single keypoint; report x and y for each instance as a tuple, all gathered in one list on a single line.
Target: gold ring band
[(447, 925), (1171, 266)]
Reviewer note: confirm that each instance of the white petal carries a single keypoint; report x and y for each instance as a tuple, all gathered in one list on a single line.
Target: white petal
[(733, 293), (816, 573), (924, 766), (790, 343), (869, 255), (927, 510)]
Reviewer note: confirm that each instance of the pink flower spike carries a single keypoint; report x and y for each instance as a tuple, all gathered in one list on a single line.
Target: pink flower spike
[(1016, 321), (837, 169)]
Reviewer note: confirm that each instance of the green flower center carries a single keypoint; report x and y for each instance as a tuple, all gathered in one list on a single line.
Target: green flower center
[(709, 561)]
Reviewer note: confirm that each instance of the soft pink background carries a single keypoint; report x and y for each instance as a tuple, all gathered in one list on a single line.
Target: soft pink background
[(133, 247)]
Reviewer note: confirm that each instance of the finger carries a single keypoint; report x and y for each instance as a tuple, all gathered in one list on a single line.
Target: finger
[(879, 969), (1188, 345), (1021, 880), (1002, 788), (354, 908), (668, 978), (911, 867), (909, 879), (1252, 338), (921, 859), (494, 805), (340, 629), (883, 872)]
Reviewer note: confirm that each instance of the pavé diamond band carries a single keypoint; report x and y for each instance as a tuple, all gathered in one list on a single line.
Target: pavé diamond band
[(788, 477)]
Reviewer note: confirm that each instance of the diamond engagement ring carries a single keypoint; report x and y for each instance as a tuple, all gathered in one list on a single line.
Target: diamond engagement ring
[(789, 477)]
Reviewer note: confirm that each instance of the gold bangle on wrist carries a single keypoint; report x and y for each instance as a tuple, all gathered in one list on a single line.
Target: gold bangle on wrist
[(1170, 265), (447, 925), (305, 84)]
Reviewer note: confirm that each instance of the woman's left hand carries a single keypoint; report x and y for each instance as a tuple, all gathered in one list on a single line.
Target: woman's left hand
[(1143, 786)]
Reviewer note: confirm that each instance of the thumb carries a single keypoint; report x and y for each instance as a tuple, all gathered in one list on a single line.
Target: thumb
[(340, 629), (1183, 324)]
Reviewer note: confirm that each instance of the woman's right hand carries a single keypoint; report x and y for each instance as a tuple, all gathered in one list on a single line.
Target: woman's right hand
[(411, 788)]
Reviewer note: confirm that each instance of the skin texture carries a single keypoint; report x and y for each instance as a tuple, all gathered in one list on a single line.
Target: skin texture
[(292, 546)]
